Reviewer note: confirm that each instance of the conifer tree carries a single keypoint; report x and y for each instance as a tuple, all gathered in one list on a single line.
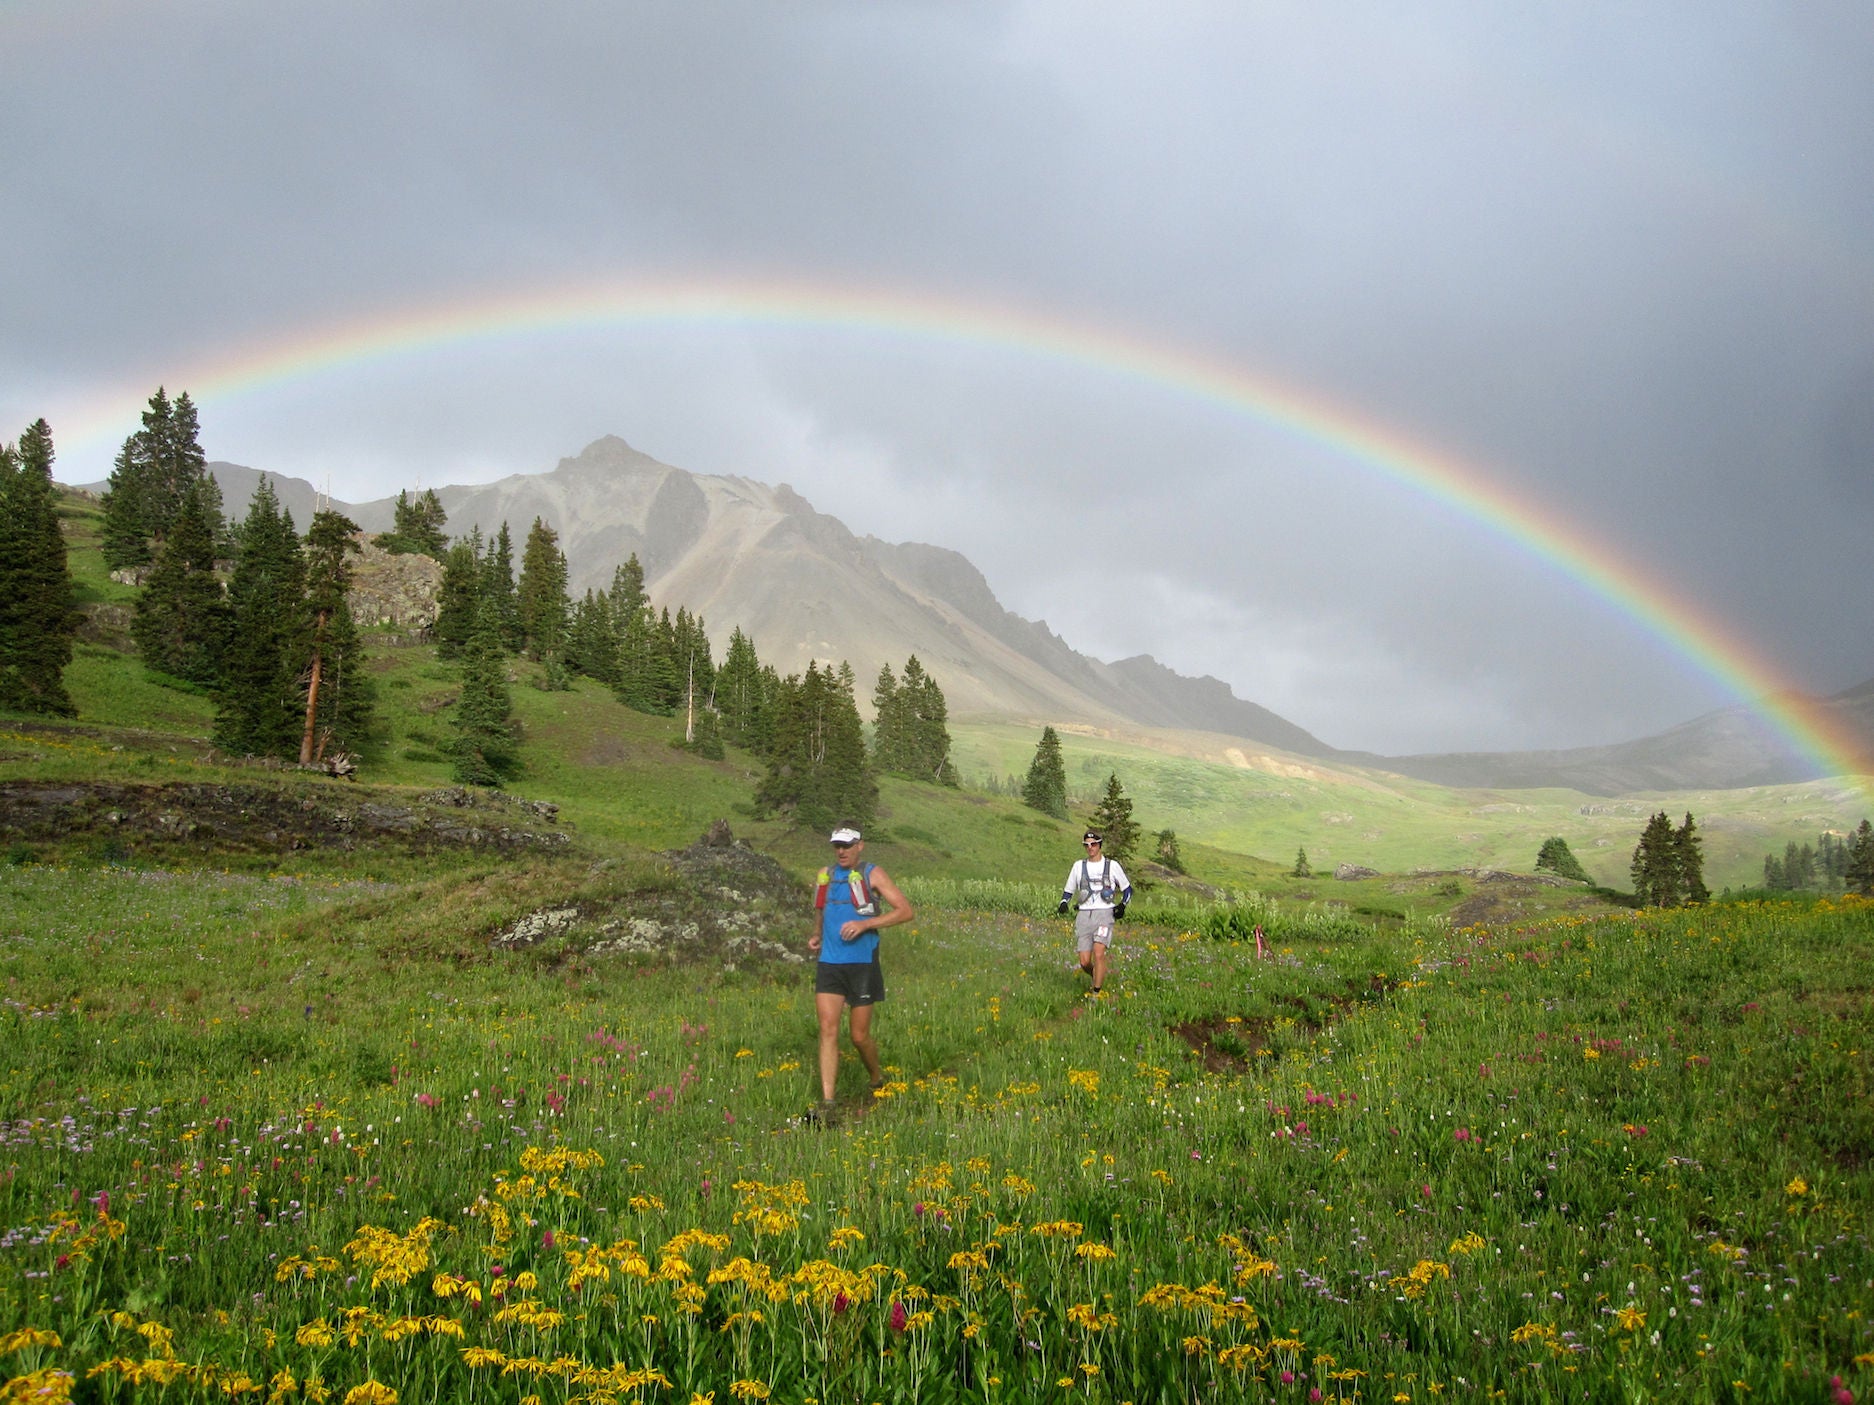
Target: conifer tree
[(541, 596), (591, 639), (417, 526), (740, 697), (1860, 868), (1112, 817), (485, 751), (159, 466), (1658, 877), (1045, 786), (1689, 850), (1773, 874), (180, 624), (339, 697), (1301, 869), (888, 729), (498, 591), (258, 706), (817, 769), (925, 722), (1168, 853), (458, 599), (1556, 857), (37, 617)]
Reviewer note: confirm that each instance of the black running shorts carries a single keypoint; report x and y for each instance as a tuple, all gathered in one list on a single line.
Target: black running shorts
[(860, 983)]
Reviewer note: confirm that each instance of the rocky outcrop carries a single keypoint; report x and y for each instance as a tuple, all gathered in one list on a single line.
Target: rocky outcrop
[(724, 903), (396, 590)]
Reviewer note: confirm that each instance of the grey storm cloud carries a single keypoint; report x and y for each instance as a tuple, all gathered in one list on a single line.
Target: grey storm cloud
[(1617, 264)]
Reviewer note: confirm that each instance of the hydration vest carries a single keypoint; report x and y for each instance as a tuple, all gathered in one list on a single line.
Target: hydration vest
[(1085, 889), (863, 903)]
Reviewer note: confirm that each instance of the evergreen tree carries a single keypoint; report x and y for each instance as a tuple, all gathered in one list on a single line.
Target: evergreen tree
[(180, 624), (258, 706), (591, 640), (417, 526), (541, 597), (889, 746), (1656, 867), (158, 468), (696, 671), (1773, 874), (458, 599), (1860, 869), (740, 696), (1168, 854), (1301, 869), (339, 697), (37, 616), (1045, 786), (817, 768), (1690, 852), (498, 591), (1112, 817), (926, 723), (1556, 857), (1793, 874), (485, 750)]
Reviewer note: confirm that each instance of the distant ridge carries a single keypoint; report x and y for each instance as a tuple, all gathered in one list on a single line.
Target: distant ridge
[(807, 589)]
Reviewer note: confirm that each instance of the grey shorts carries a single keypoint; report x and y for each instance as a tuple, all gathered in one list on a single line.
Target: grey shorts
[(859, 982), (1093, 925)]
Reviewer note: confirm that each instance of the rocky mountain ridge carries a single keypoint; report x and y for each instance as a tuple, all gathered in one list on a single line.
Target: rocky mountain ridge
[(807, 589)]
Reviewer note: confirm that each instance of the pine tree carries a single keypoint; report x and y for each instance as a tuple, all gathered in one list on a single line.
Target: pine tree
[(1168, 854), (926, 726), (417, 526), (1301, 869), (591, 640), (1860, 870), (180, 624), (158, 468), (485, 751), (498, 590), (1773, 879), (541, 597), (339, 697), (258, 707), (817, 767), (1112, 817), (740, 697), (1689, 851), (1658, 878), (1045, 786), (889, 744), (458, 598), (37, 617), (1556, 857)]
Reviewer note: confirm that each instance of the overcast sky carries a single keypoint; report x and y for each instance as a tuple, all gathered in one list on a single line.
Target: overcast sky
[(1617, 260)]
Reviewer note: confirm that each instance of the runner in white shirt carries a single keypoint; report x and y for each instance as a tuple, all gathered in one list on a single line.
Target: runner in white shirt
[(1102, 889)]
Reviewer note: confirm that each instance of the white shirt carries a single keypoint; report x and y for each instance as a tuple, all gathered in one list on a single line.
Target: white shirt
[(1102, 873)]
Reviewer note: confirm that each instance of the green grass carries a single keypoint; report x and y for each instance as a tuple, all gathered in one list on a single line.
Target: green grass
[(264, 1126), (1225, 794)]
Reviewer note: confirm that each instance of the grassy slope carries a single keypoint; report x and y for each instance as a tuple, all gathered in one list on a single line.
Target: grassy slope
[(1273, 806), (1240, 816)]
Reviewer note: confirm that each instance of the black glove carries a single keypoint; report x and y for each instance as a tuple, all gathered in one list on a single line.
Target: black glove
[(1062, 909), (1119, 909)]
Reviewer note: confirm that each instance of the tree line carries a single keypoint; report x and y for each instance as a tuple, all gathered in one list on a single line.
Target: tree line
[(1834, 863)]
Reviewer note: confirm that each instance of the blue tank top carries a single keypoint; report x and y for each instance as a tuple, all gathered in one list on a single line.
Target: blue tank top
[(837, 913)]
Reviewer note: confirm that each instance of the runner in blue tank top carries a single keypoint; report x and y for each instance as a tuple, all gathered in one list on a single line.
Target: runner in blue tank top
[(845, 937)]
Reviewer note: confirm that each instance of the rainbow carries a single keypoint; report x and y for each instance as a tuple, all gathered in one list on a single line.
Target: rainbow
[(1536, 529)]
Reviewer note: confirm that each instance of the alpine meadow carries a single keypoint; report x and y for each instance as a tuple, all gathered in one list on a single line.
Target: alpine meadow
[(407, 998)]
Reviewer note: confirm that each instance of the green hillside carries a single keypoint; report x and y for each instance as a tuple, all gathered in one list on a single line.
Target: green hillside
[(1273, 805), (1240, 815)]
